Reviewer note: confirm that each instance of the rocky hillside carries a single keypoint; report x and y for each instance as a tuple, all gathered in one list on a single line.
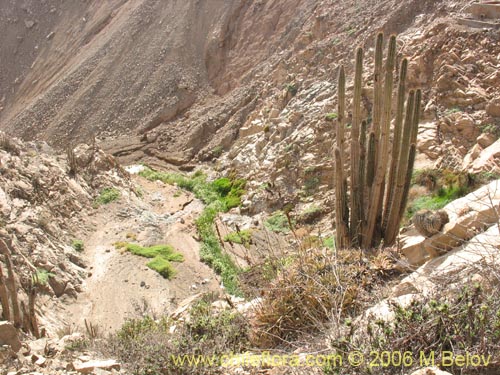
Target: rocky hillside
[(248, 83)]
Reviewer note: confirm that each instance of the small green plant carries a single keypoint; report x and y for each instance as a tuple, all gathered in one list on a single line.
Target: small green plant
[(491, 129), (242, 237), (331, 116), (329, 242), (77, 245), (450, 111), (277, 222), (311, 185), (436, 201), (217, 151), (107, 195), (41, 277), (162, 256), (292, 88), (310, 214)]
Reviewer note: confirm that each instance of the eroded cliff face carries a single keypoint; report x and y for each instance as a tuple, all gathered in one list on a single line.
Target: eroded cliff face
[(243, 83)]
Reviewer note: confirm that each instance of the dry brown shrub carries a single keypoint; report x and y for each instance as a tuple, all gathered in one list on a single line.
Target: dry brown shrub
[(317, 286)]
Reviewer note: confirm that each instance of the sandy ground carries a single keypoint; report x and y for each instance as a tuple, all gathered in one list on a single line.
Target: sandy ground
[(120, 286)]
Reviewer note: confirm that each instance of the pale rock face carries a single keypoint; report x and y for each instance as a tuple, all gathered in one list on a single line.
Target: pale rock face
[(493, 107), (455, 265), (488, 160), (468, 216)]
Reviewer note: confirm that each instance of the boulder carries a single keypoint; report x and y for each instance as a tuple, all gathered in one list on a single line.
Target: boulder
[(91, 366), (457, 265), (493, 107), (488, 160), (9, 336), (486, 140)]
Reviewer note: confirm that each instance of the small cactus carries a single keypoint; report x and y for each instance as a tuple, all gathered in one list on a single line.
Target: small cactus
[(428, 222)]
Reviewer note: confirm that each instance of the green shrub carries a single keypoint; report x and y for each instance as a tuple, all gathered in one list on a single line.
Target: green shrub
[(292, 88), (78, 245), (310, 215), (329, 242), (242, 237), (436, 201), (277, 222), (165, 251), (149, 347), (217, 151), (466, 321), (108, 195), (41, 277)]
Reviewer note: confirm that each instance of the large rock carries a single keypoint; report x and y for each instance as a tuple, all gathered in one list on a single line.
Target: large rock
[(9, 336), (91, 366), (493, 107), (488, 160), (458, 265)]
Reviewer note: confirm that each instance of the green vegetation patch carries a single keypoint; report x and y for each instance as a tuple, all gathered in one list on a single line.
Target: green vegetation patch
[(277, 222), (218, 196), (41, 277), (331, 116), (78, 245), (242, 237), (108, 195), (162, 266), (162, 256)]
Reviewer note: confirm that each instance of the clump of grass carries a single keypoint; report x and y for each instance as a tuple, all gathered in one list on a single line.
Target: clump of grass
[(217, 151), (78, 245), (107, 195), (162, 266), (310, 214), (162, 256), (219, 196), (41, 277), (242, 237), (436, 201)]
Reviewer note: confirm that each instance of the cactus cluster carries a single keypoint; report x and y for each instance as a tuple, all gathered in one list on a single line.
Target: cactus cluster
[(13, 308), (371, 197)]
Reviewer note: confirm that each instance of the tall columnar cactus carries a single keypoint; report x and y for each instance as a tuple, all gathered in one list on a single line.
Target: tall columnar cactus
[(380, 164)]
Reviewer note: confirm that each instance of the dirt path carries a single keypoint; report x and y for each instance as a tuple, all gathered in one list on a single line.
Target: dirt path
[(120, 285)]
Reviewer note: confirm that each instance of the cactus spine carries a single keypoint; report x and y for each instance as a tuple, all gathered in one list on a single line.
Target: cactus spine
[(379, 175)]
